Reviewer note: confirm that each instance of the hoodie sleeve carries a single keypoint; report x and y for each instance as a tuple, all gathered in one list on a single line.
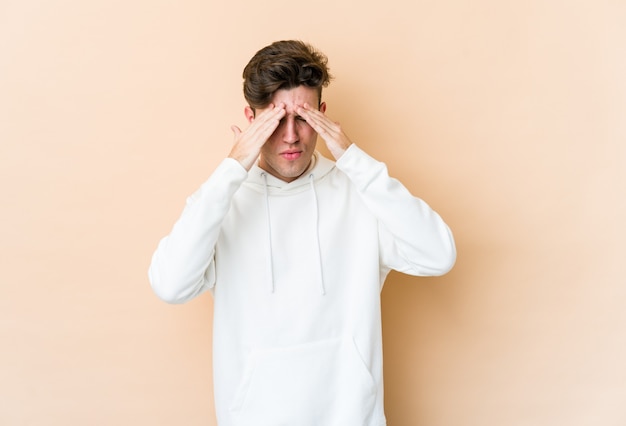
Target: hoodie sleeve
[(182, 266), (413, 238)]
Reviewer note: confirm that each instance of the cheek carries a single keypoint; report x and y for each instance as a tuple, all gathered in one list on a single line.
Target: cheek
[(306, 131)]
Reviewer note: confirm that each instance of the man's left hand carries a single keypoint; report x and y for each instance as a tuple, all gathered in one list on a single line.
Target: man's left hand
[(336, 140)]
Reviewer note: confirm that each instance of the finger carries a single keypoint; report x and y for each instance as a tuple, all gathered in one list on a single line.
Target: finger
[(264, 125), (315, 114), (270, 119), (320, 122), (270, 114), (236, 130)]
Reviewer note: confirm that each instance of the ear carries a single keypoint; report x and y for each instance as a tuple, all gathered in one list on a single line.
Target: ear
[(249, 113), (323, 107)]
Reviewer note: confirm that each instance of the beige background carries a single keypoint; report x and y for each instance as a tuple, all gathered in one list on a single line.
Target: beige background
[(509, 118)]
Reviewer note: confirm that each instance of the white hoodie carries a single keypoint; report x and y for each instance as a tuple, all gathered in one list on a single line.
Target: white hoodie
[(296, 270)]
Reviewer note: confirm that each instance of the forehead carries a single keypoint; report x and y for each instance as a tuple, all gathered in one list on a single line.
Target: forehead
[(295, 97)]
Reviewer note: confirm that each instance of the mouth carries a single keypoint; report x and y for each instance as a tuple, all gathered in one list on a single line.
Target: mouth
[(291, 155)]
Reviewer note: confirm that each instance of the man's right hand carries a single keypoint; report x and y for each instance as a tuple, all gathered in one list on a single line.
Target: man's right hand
[(248, 143)]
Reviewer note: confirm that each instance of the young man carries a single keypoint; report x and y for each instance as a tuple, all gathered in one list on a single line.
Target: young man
[(295, 249)]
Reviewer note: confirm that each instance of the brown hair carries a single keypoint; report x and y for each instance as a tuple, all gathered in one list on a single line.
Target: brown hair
[(284, 65)]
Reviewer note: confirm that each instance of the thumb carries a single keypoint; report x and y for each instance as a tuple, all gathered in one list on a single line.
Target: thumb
[(236, 130)]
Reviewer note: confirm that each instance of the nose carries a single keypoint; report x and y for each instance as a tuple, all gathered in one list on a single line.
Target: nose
[(290, 131)]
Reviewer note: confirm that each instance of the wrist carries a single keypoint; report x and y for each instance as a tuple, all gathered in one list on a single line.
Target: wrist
[(339, 150), (246, 161)]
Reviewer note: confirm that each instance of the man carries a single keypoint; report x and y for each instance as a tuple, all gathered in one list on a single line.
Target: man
[(295, 249)]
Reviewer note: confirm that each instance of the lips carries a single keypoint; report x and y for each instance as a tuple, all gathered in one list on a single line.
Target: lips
[(291, 155)]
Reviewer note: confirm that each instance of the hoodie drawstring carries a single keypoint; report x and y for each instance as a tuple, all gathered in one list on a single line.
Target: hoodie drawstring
[(316, 235)]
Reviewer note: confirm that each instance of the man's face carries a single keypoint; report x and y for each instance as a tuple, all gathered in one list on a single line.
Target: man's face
[(287, 153)]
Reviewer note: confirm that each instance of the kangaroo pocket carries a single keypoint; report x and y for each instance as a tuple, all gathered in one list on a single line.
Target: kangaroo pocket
[(320, 383)]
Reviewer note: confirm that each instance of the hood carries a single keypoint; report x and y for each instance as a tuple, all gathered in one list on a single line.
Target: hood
[(259, 179)]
